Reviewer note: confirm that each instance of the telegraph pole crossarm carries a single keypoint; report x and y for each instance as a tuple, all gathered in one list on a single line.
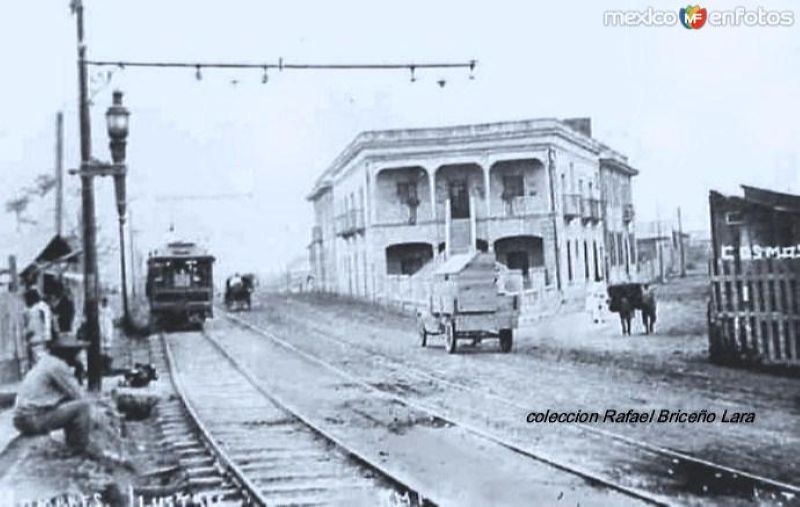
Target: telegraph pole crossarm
[(97, 168)]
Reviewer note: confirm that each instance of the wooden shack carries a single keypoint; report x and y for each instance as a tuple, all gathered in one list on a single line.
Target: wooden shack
[(754, 311)]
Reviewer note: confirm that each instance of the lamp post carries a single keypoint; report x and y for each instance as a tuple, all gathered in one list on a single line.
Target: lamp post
[(117, 123)]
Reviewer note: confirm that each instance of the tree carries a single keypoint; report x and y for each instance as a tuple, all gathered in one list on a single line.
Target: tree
[(17, 206), (43, 184)]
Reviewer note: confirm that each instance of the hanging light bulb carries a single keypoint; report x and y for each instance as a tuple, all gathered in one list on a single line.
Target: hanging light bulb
[(413, 75), (472, 69), (265, 77), (441, 83), (197, 74)]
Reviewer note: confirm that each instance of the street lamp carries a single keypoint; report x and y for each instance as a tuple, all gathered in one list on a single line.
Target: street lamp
[(117, 124), (117, 118)]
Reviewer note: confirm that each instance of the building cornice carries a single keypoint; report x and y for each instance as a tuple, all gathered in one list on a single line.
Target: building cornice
[(440, 138), (617, 164)]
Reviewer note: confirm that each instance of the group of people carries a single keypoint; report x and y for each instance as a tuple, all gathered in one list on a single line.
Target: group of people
[(50, 396), (51, 319)]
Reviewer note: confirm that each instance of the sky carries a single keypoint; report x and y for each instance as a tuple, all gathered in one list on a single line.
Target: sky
[(692, 109)]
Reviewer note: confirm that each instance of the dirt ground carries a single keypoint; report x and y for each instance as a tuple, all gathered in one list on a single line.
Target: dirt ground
[(445, 463), (42, 468), (568, 363)]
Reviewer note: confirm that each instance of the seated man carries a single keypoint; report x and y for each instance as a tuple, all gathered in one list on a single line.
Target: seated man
[(49, 398)]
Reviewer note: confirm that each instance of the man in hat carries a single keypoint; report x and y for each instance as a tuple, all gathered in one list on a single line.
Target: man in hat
[(49, 399)]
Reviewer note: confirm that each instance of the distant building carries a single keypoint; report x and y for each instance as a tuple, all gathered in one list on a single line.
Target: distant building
[(550, 201), (658, 250), (298, 276)]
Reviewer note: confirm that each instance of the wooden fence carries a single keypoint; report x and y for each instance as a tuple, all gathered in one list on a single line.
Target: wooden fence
[(754, 312)]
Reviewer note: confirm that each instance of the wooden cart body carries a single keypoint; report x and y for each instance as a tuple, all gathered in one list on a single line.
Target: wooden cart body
[(465, 303)]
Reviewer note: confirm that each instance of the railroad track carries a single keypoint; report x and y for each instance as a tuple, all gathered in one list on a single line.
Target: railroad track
[(205, 477), (695, 477), (242, 446)]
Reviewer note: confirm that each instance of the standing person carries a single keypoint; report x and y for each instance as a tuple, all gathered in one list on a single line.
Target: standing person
[(37, 319), (106, 325), (64, 309)]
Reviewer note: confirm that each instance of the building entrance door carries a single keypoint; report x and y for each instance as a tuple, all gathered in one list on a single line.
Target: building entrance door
[(459, 199), (519, 260)]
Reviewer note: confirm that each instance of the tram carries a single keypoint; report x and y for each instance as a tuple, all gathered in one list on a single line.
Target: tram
[(180, 285)]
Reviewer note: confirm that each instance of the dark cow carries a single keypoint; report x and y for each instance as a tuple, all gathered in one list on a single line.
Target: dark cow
[(626, 298), (625, 315), (648, 309)]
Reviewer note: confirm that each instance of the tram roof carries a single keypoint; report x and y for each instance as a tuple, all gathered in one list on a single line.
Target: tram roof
[(181, 250)]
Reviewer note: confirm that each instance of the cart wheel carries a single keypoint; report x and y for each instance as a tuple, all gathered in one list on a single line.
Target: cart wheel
[(450, 337), (423, 334), (506, 340)]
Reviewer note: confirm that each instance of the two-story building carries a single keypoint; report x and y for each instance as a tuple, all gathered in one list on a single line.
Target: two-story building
[(547, 198)]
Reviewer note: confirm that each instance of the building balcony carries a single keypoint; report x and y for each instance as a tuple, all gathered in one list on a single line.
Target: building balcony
[(350, 223), (572, 205), (520, 206), (590, 209), (316, 234), (628, 213)]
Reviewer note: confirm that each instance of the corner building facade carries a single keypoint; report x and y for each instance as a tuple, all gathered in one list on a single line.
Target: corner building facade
[(548, 199)]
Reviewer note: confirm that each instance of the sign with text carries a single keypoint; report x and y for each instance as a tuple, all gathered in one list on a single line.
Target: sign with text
[(758, 252)]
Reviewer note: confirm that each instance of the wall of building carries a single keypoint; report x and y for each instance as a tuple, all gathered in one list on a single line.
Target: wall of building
[(620, 238), (13, 355), (324, 252)]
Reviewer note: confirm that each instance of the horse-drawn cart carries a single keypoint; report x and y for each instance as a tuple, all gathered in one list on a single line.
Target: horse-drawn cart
[(238, 291), (465, 304)]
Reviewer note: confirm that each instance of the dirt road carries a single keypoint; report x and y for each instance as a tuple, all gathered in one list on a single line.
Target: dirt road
[(565, 363)]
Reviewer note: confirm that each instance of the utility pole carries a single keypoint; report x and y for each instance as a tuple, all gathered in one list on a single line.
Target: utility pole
[(680, 243), (59, 172), (132, 233), (90, 281), (659, 249)]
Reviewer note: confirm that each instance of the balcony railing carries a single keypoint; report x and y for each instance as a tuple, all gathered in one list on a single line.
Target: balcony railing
[(628, 213), (590, 209), (521, 205), (572, 205), (597, 209), (350, 223)]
